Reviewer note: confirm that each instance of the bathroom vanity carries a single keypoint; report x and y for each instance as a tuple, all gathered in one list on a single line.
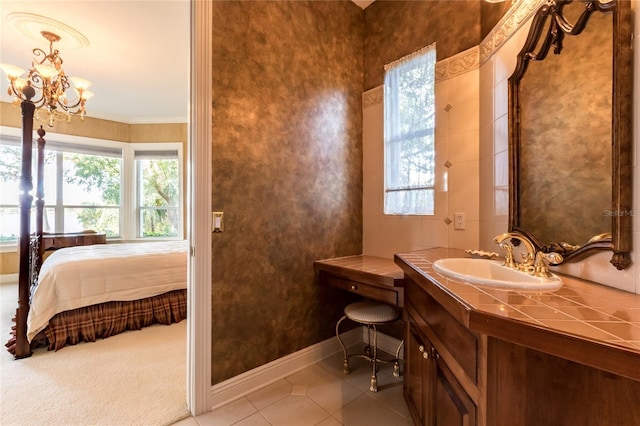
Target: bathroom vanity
[(476, 355)]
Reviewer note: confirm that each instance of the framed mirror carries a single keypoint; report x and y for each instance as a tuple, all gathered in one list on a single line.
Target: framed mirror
[(570, 130)]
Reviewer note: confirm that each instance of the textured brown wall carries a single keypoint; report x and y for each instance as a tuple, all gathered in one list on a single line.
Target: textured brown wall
[(394, 29), (287, 172), (490, 15)]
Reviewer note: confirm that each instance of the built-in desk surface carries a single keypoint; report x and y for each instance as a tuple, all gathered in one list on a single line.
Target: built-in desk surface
[(373, 277)]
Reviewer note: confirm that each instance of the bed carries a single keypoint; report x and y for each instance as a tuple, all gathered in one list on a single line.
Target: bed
[(101, 278), (88, 292)]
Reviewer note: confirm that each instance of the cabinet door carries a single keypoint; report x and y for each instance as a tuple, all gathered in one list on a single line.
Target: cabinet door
[(414, 371), (452, 406), (418, 374)]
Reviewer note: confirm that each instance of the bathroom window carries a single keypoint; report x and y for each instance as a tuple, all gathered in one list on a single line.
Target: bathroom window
[(409, 134)]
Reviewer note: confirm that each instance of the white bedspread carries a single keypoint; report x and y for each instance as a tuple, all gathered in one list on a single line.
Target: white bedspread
[(75, 277)]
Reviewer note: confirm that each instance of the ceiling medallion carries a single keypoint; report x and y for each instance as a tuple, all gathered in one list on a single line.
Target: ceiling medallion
[(32, 26)]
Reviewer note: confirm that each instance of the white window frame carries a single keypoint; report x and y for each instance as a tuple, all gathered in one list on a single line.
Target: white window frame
[(155, 147), (418, 196), (128, 205)]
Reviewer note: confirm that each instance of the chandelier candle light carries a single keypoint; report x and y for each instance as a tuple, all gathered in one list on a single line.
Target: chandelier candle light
[(47, 77)]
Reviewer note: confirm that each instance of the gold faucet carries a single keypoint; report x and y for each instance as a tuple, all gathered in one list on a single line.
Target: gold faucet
[(540, 268), (528, 258), (533, 262)]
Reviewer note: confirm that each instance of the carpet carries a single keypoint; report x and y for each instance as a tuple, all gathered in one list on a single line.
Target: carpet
[(134, 378)]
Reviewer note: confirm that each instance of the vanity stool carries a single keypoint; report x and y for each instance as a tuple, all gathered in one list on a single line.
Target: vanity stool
[(371, 314)]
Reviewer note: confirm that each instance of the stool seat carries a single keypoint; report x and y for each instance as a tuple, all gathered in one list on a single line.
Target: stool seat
[(369, 312)]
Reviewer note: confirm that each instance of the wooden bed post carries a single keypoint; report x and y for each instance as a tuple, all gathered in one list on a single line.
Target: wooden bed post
[(22, 346), (39, 248)]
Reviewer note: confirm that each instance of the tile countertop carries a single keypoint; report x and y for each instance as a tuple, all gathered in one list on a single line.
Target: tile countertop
[(369, 268), (580, 316)]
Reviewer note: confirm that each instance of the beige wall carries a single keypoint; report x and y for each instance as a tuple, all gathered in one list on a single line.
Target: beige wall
[(10, 116)]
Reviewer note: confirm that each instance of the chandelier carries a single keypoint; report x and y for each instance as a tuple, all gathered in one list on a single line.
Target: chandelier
[(47, 85)]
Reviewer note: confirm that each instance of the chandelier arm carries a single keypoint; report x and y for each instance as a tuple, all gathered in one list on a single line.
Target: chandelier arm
[(37, 52), (52, 83)]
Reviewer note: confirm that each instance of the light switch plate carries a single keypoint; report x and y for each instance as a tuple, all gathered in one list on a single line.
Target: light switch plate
[(217, 222)]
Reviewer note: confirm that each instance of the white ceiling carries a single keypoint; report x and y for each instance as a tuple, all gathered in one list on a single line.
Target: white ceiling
[(138, 57)]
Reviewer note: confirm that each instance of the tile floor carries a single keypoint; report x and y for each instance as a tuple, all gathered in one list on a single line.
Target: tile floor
[(318, 395)]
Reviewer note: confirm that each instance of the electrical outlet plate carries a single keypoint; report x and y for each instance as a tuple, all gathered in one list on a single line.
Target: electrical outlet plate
[(458, 221)]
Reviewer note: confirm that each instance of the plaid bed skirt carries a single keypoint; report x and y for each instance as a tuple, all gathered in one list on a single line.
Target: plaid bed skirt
[(107, 319)]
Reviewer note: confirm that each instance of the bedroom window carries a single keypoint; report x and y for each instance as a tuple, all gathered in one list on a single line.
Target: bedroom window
[(89, 194), (158, 183), (409, 134), (127, 190)]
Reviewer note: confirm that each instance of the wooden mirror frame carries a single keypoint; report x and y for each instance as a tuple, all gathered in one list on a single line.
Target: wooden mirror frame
[(550, 15)]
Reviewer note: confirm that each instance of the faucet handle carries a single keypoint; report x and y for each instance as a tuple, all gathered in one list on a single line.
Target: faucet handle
[(508, 257), (542, 259)]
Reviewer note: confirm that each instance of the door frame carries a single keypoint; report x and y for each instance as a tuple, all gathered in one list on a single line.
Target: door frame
[(199, 202)]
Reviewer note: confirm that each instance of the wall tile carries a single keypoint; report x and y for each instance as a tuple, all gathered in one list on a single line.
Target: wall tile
[(463, 146), (501, 99), (464, 177)]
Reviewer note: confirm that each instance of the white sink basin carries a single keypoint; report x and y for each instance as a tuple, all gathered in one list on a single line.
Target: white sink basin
[(493, 273)]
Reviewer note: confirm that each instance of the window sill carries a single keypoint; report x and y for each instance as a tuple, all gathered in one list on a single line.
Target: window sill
[(8, 248)]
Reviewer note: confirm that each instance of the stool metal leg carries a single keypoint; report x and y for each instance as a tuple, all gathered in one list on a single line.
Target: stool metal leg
[(345, 363), (374, 373), (396, 363)]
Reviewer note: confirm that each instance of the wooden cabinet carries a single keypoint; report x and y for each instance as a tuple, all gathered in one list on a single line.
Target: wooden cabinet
[(452, 406), (434, 394), (471, 358)]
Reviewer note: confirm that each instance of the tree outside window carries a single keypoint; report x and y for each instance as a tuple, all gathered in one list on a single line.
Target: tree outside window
[(84, 187), (158, 194)]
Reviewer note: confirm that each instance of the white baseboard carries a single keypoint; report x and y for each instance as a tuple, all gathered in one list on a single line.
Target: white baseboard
[(250, 381)]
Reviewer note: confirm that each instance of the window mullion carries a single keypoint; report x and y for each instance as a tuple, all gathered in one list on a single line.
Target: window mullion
[(59, 206), (128, 212)]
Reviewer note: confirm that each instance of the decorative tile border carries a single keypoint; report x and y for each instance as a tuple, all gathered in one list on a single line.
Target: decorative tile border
[(520, 11), (472, 58), (373, 96), (457, 64)]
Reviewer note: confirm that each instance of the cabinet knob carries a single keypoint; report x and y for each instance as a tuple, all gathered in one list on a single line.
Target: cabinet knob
[(354, 287), (421, 348), (425, 355)]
